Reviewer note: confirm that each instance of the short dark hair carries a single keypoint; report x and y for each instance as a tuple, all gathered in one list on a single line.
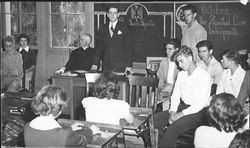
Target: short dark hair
[(113, 6), (174, 41), (23, 36), (49, 100), (106, 86), (241, 140), (232, 55), (183, 50), (189, 7), (205, 43), (226, 113)]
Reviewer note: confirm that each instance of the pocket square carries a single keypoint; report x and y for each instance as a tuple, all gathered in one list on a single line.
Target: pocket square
[(119, 32)]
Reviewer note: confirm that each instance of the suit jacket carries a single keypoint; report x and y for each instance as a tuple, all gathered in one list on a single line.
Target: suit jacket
[(162, 72), (115, 51), (80, 59)]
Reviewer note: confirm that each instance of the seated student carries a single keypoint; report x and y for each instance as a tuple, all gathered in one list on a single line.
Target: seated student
[(29, 59), (244, 94), (209, 63), (190, 95), (241, 140), (225, 117), (233, 75), (44, 130), (167, 74), (11, 66), (80, 58), (104, 106)]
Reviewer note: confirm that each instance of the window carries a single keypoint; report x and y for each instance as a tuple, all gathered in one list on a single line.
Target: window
[(20, 17), (67, 21)]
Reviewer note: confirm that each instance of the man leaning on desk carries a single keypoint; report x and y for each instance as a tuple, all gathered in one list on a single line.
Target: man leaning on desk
[(80, 58)]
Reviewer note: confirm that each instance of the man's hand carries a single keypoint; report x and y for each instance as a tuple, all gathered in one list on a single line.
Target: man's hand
[(60, 71), (177, 116), (76, 126), (171, 116), (94, 67)]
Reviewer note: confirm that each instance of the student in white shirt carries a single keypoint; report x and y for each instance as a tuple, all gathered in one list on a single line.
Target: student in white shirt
[(209, 63), (167, 73), (190, 95), (225, 117), (104, 106), (233, 75)]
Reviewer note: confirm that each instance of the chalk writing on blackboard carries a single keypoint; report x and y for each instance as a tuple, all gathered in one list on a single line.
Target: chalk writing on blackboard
[(220, 20)]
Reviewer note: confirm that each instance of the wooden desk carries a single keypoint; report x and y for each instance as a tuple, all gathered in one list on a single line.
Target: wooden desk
[(142, 125), (106, 138), (75, 88)]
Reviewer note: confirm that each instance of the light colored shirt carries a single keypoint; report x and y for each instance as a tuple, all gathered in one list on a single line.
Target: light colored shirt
[(167, 72), (194, 90), (171, 72), (191, 36), (113, 24), (104, 110), (231, 83), (214, 68), (12, 65), (210, 137)]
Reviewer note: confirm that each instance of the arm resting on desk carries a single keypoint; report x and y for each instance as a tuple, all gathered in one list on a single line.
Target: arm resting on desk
[(129, 118), (79, 138)]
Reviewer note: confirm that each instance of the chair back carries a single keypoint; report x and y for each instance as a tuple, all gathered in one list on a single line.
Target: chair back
[(143, 91), (90, 80), (32, 82)]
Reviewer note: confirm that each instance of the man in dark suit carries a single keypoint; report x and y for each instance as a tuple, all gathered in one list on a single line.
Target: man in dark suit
[(80, 58), (113, 44)]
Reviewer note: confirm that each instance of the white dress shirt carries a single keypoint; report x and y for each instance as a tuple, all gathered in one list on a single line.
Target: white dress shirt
[(231, 83), (214, 68), (194, 90), (171, 71)]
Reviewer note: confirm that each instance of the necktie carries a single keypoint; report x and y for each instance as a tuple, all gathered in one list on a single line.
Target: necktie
[(111, 30)]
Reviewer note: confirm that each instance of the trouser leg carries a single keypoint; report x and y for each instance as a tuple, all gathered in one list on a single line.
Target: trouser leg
[(180, 126)]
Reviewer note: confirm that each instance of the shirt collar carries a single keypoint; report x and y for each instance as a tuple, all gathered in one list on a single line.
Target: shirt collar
[(84, 48), (194, 24), (26, 48), (114, 24), (44, 123)]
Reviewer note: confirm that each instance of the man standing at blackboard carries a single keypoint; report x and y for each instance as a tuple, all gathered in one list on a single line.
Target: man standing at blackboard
[(113, 44), (192, 31)]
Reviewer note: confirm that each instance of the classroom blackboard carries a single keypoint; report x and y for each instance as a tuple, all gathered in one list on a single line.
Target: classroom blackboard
[(149, 24), (227, 24)]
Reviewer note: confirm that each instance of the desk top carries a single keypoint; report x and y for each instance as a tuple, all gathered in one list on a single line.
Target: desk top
[(141, 115), (108, 131)]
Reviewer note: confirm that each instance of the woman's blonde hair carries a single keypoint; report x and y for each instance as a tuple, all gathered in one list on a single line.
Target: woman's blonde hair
[(49, 100)]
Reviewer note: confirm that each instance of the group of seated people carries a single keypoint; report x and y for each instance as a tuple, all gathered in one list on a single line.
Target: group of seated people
[(17, 63), (185, 95), (208, 96)]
